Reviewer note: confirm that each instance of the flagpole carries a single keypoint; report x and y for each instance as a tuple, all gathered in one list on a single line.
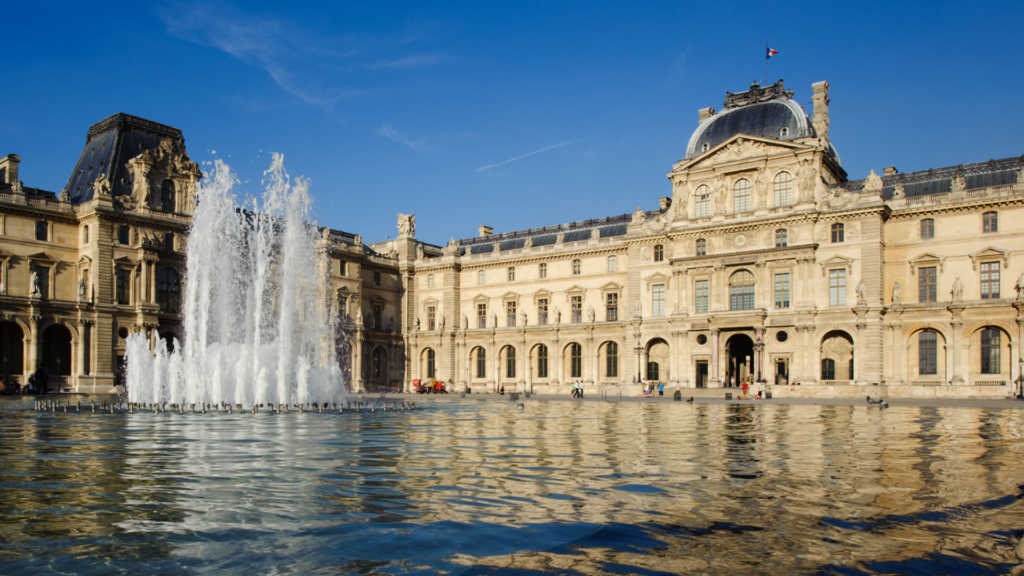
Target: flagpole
[(765, 62)]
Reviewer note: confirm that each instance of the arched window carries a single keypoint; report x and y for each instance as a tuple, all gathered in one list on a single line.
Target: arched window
[(990, 362), (927, 229), (741, 290), (379, 362), (613, 263), (481, 277), (611, 367), (927, 353), (168, 290), (702, 202), (781, 238), (838, 233), (511, 274), (167, 196), (576, 266), (828, 369), (576, 361), (430, 363), (659, 253), (783, 189), (510, 362), (784, 131), (542, 361), (481, 363), (741, 195), (702, 247), (990, 222)]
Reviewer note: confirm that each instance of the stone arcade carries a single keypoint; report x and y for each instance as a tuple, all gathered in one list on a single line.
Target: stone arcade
[(765, 261)]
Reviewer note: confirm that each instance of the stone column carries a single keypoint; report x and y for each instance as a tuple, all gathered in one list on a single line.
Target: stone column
[(357, 361), (759, 355), (32, 341), (152, 282), (714, 356), (82, 329)]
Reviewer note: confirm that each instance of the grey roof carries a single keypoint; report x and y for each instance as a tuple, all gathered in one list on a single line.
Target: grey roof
[(109, 144), (607, 227), (939, 180)]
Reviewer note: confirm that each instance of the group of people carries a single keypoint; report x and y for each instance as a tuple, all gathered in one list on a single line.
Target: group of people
[(577, 389), (650, 387), (36, 384)]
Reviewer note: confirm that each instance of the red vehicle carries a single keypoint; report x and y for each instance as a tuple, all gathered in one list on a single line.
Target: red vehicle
[(430, 387)]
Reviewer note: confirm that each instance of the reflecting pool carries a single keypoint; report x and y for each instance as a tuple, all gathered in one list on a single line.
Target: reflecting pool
[(487, 487)]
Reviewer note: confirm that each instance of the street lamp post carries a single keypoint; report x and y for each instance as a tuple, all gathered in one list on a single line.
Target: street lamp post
[(1020, 378), (638, 350)]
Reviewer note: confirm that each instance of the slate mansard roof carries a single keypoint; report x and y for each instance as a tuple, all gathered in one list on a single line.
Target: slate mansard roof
[(608, 227), (939, 180), (109, 145)]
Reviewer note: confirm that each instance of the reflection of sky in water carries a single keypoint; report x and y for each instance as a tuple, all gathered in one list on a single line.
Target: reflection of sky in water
[(477, 488)]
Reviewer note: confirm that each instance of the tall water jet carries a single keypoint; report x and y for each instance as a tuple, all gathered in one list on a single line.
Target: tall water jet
[(259, 323)]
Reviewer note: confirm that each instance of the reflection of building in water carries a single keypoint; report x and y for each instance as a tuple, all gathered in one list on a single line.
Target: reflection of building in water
[(763, 259)]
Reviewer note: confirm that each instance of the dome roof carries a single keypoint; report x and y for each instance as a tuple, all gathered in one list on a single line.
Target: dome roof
[(768, 112)]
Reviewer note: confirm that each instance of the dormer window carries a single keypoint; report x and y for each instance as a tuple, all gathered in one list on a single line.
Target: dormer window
[(705, 147), (784, 132)]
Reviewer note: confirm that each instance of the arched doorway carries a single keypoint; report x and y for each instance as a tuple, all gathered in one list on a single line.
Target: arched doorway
[(658, 361), (836, 356), (56, 355), (739, 350), (12, 347)]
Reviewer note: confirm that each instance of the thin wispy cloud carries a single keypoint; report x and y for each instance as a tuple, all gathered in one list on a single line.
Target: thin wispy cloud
[(317, 69), (527, 155), (396, 135)]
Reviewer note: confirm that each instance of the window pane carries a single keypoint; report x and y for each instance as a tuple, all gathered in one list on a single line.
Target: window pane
[(577, 309), (702, 247), (927, 353), (783, 189), (741, 195), (990, 362), (543, 270), (927, 228), (611, 308), (700, 292), (926, 284), (836, 287), (782, 290), (41, 230), (613, 263), (576, 357), (612, 360), (990, 280), (990, 222), (658, 300), (542, 311), (837, 233), (510, 310), (542, 361), (781, 240), (702, 202)]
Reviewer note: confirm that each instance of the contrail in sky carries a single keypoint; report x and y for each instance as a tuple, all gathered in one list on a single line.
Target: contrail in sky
[(528, 154)]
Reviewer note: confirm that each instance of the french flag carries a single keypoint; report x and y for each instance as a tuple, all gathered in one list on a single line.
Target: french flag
[(769, 53)]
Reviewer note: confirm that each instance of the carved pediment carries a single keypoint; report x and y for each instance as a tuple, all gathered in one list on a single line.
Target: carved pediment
[(657, 278), (837, 262), (924, 260), (430, 302), (510, 296), (611, 287), (481, 298), (989, 254), (42, 257), (576, 291), (541, 295), (741, 147)]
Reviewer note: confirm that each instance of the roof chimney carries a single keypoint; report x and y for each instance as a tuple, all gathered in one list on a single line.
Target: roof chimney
[(890, 171), (485, 231), (664, 202), (9, 168), (705, 113)]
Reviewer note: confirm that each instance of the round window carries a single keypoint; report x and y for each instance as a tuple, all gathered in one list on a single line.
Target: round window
[(123, 332), (781, 336), (702, 339)]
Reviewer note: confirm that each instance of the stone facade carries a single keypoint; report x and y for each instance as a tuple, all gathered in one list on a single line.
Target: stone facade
[(765, 261)]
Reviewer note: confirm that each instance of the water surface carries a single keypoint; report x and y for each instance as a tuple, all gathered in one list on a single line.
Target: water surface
[(475, 487)]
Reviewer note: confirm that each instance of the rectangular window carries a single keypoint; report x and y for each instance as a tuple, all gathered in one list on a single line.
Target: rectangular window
[(511, 274), (543, 270), (926, 282), (341, 267), (782, 290), (430, 281), (378, 316), (123, 235), (781, 238), (376, 278), (990, 222), (43, 273), (989, 280), (702, 247), (927, 353), (510, 309), (611, 307), (481, 363), (122, 285), (927, 229), (431, 317), (342, 307), (85, 234), (576, 267), (542, 362), (658, 300), (613, 263), (542, 311), (42, 230), (702, 206), (990, 361), (836, 287), (700, 296), (838, 233), (577, 309), (481, 315)]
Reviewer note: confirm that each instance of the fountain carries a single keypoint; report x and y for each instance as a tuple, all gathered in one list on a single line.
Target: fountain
[(259, 323)]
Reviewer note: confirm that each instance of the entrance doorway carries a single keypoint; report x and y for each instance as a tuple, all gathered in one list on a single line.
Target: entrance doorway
[(702, 374), (739, 349), (56, 356), (12, 346), (781, 372)]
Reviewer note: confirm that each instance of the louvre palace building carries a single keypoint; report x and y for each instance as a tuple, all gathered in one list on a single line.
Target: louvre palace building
[(764, 262)]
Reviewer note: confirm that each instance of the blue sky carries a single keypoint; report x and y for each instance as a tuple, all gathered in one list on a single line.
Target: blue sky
[(513, 115)]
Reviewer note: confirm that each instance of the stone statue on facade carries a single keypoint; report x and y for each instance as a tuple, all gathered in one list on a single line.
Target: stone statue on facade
[(958, 290), (557, 316), (34, 290), (897, 294), (719, 194), (805, 179), (897, 192), (406, 225), (325, 235), (591, 315), (416, 325), (638, 308), (440, 323), (860, 290), (528, 243), (101, 186), (522, 318), (465, 322), (420, 254), (81, 289), (638, 216), (761, 188), (64, 195), (958, 183), (1019, 287), (451, 248), (3, 288), (1020, 175), (560, 238)]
